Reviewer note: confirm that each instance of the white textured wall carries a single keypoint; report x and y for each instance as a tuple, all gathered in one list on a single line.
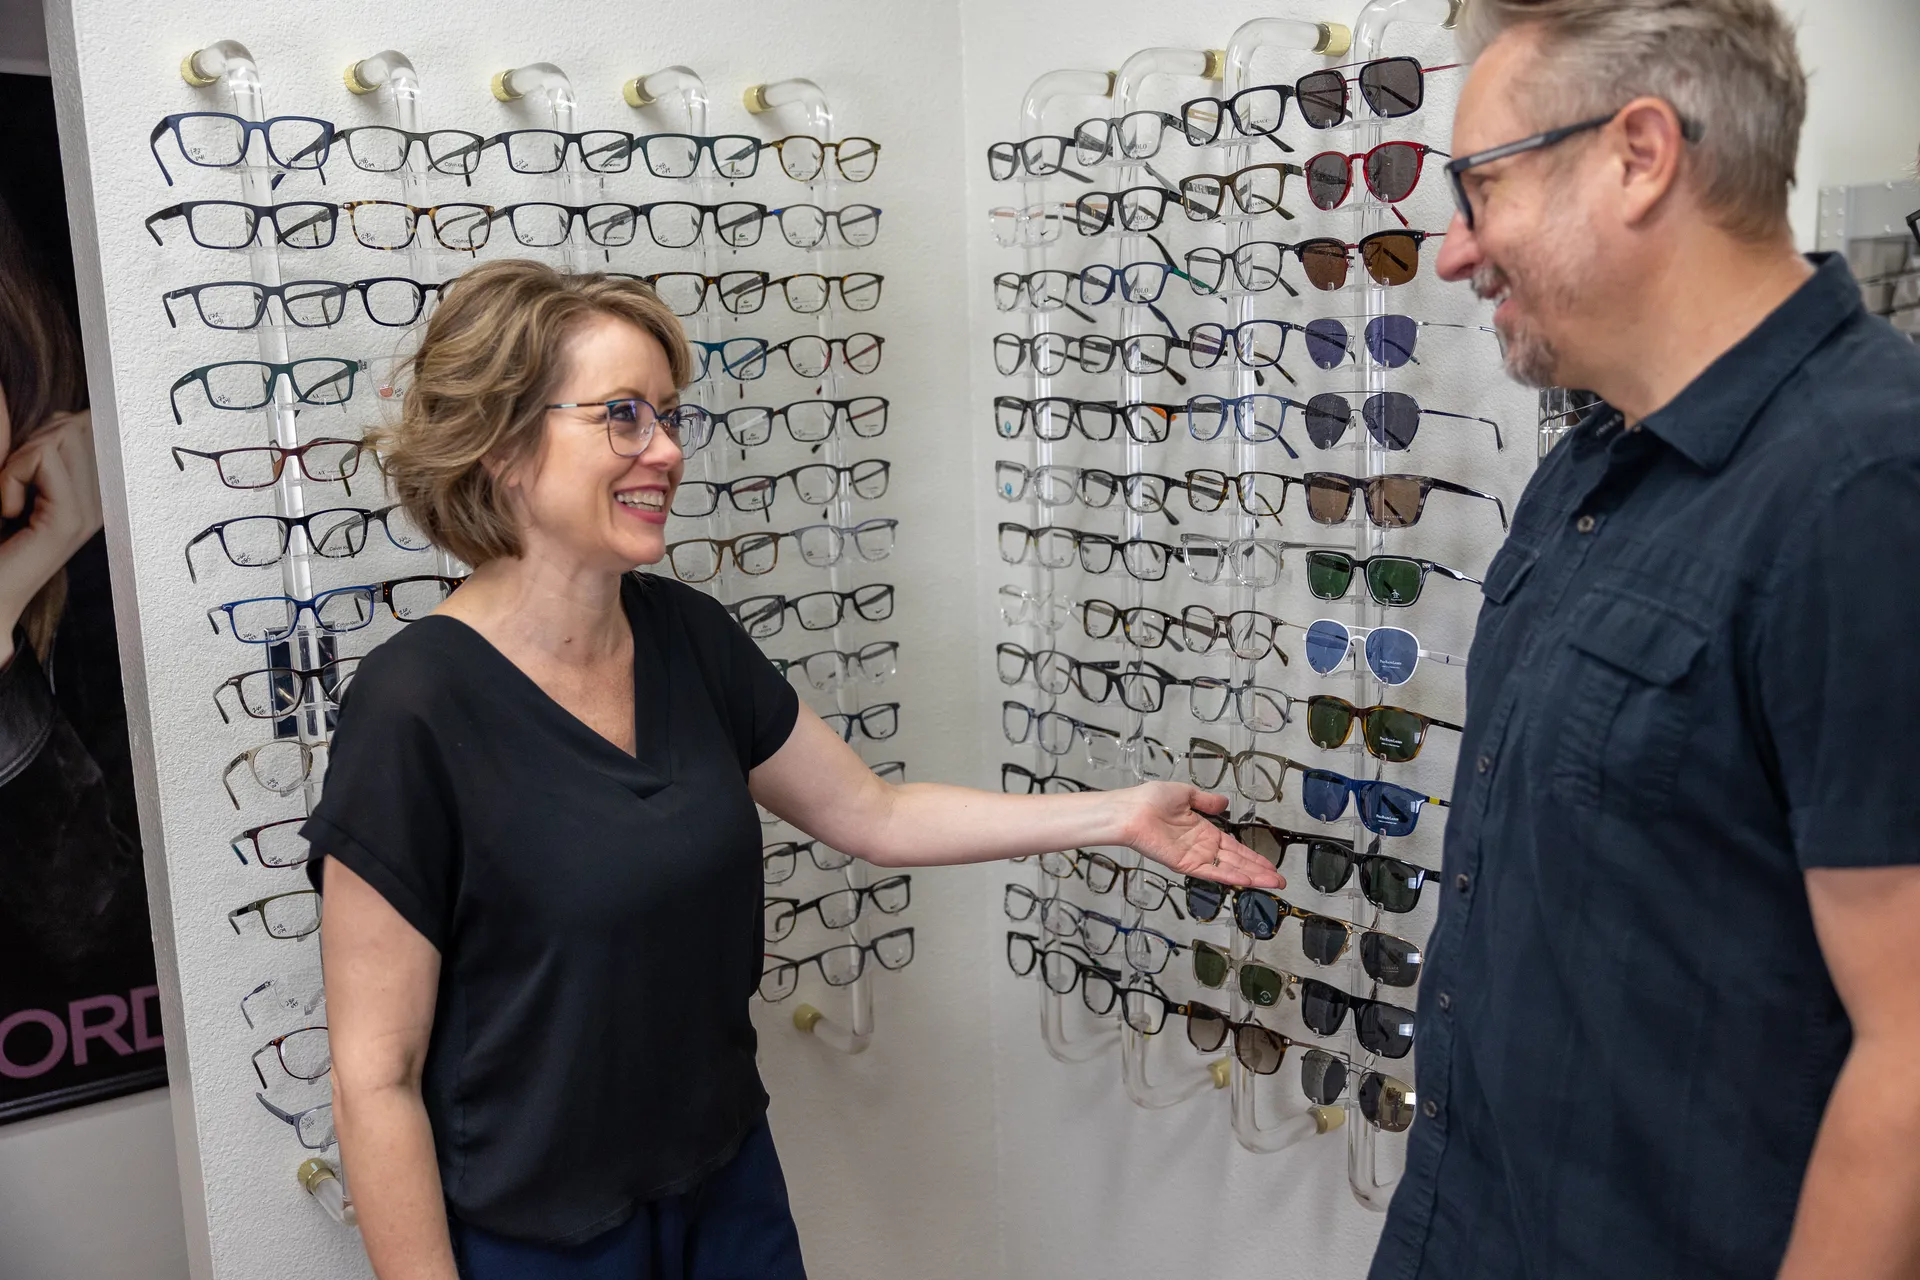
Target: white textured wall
[(890, 1161), (955, 1146)]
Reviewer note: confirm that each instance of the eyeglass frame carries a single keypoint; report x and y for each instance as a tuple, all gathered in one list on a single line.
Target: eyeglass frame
[(1457, 169)]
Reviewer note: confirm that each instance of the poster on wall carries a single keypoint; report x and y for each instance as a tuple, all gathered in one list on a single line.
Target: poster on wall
[(79, 1007)]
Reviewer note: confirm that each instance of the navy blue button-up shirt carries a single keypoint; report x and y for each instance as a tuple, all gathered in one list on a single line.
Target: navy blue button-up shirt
[(1696, 676)]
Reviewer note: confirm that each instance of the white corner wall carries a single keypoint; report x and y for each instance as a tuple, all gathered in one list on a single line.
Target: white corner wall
[(955, 1147)]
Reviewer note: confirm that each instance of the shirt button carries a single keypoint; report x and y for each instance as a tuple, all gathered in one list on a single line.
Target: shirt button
[(1461, 882), (1585, 524), (1431, 1108), (1484, 763), (1446, 1001)]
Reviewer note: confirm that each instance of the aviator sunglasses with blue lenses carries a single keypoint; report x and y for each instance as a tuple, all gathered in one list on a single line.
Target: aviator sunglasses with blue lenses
[(1390, 340)]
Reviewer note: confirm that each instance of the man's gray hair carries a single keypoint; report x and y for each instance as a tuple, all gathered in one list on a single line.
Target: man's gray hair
[(1728, 67)]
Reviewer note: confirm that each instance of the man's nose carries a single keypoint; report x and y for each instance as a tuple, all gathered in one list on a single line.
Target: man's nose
[(1459, 252)]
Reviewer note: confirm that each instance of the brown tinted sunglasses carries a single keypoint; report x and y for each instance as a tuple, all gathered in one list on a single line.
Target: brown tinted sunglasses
[(1390, 257)]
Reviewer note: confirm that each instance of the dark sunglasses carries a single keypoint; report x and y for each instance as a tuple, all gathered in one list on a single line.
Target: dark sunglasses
[(1392, 501), (1388, 883), (1391, 171), (1391, 733), (1392, 418), (1391, 87), (1394, 581), (1386, 808)]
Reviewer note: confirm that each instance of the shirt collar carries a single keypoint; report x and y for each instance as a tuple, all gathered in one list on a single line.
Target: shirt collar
[(1710, 416)]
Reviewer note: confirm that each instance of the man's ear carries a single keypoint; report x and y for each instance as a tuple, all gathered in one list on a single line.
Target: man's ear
[(1650, 145)]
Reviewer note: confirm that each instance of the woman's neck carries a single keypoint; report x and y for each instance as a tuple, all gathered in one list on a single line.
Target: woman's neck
[(541, 606)]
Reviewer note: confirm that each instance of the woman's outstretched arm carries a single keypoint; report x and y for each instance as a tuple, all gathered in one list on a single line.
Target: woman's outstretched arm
[(817, 783)]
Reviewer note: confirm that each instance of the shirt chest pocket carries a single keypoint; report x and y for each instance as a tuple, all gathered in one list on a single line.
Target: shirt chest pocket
[(1628, 703)]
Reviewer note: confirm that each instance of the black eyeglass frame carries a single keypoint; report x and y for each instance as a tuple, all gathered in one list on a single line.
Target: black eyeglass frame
[(1457, 169)]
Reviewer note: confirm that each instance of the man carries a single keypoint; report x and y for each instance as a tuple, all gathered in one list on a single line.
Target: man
[(1671, 1026)]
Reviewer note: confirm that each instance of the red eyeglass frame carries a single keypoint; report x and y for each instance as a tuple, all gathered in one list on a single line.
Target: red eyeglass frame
[(1420, 150)]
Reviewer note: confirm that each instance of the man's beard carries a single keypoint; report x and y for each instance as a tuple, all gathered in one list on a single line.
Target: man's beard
[(1530, 356)]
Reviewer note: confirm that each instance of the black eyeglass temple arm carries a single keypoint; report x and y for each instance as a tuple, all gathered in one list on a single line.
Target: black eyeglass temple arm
[(1451, 487)]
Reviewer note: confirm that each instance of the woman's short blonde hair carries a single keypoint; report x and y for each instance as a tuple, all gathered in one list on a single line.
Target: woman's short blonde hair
[(492, 356)]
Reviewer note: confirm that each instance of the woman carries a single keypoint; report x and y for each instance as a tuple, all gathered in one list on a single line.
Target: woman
[(538, 843), (73, 907)]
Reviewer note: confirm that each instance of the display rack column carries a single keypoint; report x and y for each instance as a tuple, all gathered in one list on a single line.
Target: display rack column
[(552, 92), (1332, 40), (1206, 65), (1370, 29)]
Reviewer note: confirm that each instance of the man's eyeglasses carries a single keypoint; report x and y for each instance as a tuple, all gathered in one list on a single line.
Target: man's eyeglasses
[(1691, 130), (220, 140), (839, 966)]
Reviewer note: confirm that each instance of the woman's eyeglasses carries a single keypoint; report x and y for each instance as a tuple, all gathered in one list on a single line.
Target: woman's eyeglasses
[(250, 384), (271, 619), (1394, 581), (1393, 654), (323, 461), (631, 422), (220, 140), (250, 541), (392, 301), (233, 224), (1394, 734), (839, 909), (764, 616), (839, 966)]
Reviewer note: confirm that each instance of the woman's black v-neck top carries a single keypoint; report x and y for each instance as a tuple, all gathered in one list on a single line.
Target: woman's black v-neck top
[(597, 914)]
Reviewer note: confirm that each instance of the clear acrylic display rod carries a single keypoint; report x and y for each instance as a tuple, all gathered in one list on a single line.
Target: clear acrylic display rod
[(1033, 109), (1134, 72), (856, 1033), (228, 62), (1370, 29), (549, 86), (655, 91), (394, 70), (1332, 40)]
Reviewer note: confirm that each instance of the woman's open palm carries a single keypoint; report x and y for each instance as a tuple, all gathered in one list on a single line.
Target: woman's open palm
[(1169, 827)]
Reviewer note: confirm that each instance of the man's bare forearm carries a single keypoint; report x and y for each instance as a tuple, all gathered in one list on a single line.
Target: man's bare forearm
[(1859, 1213)]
